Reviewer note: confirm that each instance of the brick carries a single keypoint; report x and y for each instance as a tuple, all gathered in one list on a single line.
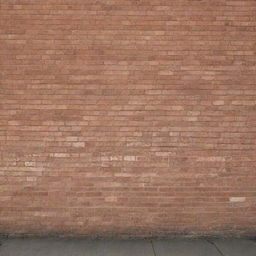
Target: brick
[(130, 158), (78, 144), (218, 102), (127, 118), (237, 199)]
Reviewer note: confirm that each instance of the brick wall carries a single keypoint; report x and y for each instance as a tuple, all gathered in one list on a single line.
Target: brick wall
[(127, 117)]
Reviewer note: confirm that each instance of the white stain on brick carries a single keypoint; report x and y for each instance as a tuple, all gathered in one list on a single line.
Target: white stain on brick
[(237, 199), (59, 155), (31, 179), (111, 158), (211, 159), (29, 164), (78, 144), (115, 158), (130, 158)]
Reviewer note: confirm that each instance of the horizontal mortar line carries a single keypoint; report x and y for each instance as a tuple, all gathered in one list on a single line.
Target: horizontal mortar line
[(83, 24), (77, 92), (175, 205), (92, 189), (218, 108), (170, 147), (159, 16), (213, 188), (138, 115), (112, 120), (110, 104), (169, 63), (112, 31), (137, 42), (181, 23), (120, 131), (150, 52), (125, 100), (117, 81), (102, 10), (135, 30), (149, 13), (126, 78), (146, 40), (152, 155), (33, 169), (94, 4), (119, 85), (156, 126), (131, 5), (102, 74), (179, 9), (107, 5), (83, 87), (83, 101), (165, 197), (135, 115), (9, 143), (133, 22), (36, 92), (144, 191), (131, 71), (122, 134), (96, 132), (152, 15), (172, 197), (124, 48), (117, 93), (71, 146), (48, 142)]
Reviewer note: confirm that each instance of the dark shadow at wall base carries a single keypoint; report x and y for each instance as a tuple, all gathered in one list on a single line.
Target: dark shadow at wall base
[(134, 234)]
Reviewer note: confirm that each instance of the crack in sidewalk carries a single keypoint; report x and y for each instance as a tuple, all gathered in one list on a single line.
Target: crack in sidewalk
[(153, 247), (217, 248)]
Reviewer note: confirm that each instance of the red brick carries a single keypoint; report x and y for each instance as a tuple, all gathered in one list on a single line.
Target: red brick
[(127, 118)]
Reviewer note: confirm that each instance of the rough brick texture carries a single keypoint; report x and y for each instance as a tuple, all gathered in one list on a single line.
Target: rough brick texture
[(127, 117)]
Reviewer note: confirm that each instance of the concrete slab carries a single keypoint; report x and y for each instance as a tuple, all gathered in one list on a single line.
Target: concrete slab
[(128, 248), (180, 247), (48, 247), (83, 247), (236, 247), (74, 247)]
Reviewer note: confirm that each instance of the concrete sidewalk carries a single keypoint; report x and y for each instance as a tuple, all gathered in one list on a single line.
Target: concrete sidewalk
[(83, 247)]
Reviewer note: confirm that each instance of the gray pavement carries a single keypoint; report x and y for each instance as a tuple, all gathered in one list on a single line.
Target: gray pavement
[(84, 247)]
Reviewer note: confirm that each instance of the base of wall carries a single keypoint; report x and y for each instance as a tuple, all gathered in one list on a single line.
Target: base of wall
[(134, 234)]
